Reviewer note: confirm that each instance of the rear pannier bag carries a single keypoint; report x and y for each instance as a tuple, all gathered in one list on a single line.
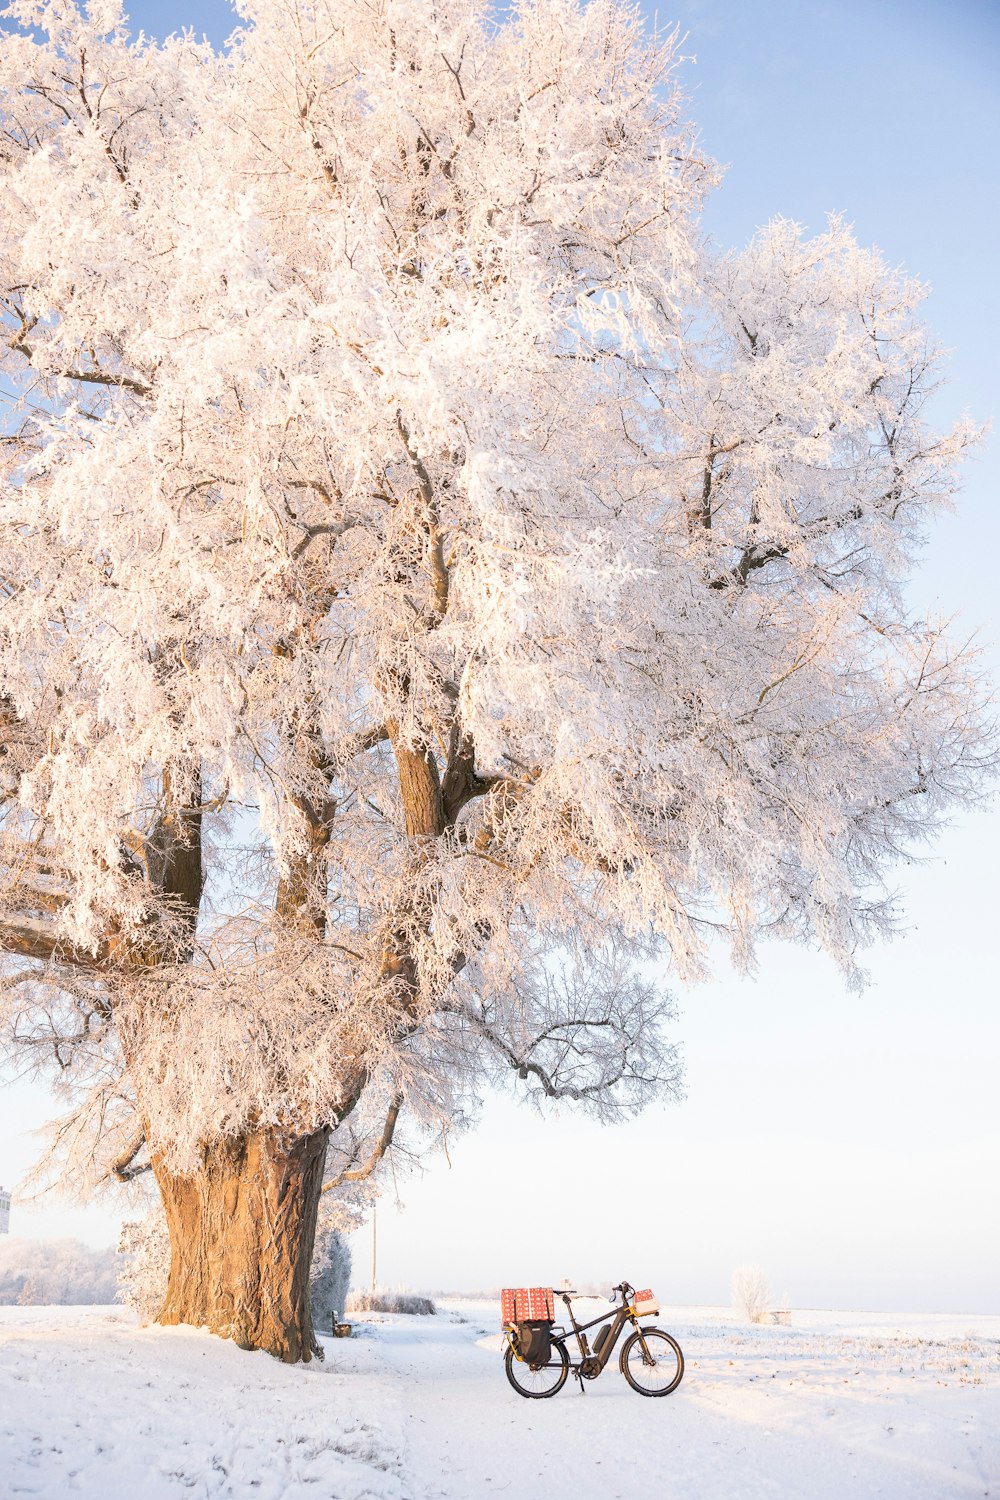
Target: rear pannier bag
[(535, 1341)]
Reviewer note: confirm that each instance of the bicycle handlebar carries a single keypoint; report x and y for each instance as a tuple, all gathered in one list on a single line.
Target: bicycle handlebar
[(623, 1286)]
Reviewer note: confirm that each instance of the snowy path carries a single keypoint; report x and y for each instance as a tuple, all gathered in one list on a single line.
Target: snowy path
[(418, 1409)]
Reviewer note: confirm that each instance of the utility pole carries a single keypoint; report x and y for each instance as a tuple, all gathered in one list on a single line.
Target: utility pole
[(374, 1240)]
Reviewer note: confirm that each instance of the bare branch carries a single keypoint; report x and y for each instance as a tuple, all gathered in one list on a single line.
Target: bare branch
[(123, 1167), (359, 1174)]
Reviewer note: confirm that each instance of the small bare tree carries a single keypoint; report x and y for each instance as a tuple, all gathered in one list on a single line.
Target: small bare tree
[(751, 1293)]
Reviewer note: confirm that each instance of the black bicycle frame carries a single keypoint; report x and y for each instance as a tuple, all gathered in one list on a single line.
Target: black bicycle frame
[(620, 1317)]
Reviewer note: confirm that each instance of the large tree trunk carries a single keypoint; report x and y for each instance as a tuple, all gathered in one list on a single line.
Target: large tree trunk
[(241, 1241)]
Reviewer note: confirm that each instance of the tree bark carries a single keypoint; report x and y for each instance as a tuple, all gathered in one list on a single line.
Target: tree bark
[(241, 1241), (420, 788)]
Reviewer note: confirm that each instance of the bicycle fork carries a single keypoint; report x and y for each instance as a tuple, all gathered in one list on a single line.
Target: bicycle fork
[(647, 1358)]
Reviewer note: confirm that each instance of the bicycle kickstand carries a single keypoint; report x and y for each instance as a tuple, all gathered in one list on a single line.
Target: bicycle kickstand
[(579, 1375)]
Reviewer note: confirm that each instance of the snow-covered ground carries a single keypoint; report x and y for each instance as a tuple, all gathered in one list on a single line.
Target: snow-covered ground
[(836, 1407)]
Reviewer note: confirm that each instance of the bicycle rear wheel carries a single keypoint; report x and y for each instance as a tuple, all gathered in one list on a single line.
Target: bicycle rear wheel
[(541, 1382), (656, 1371)]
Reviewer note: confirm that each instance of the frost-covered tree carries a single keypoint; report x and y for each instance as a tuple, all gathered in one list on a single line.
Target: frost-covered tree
[(430, 583), (331, 1276), (37, 1273), (751, 1293), (144, 1264)]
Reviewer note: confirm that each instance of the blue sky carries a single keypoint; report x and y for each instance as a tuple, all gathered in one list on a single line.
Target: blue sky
[(849, 1144)]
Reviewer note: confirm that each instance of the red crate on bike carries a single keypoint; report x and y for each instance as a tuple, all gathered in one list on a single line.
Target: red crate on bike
[(645, 1304), (526, 1304), (540, 1304)]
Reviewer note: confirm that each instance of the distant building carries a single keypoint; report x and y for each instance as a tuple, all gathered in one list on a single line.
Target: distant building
[(4, 1211)]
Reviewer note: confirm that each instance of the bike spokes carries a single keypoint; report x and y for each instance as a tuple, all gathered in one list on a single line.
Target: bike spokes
[(652, 1363)]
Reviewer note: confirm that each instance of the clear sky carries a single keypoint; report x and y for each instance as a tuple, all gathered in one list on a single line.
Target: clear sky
[(849, 1144)]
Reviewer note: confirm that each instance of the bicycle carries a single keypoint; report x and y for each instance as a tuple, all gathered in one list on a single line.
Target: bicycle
[(651, 1360)]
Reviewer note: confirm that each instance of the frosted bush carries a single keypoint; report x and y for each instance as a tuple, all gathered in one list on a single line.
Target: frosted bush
[(751, 1293), (391, 1302), (144, 1246)]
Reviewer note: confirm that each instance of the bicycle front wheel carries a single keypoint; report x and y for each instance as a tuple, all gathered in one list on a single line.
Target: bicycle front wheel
[(656, 1370), (546, 1380)]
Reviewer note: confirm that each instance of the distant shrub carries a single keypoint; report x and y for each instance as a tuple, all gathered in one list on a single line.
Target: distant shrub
[(144, 1264), (391, 1302), (330, 1279), (46, 1273), (751, 1293)]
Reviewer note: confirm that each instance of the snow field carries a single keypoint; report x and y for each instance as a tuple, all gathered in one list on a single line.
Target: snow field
[(92, 1406)]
